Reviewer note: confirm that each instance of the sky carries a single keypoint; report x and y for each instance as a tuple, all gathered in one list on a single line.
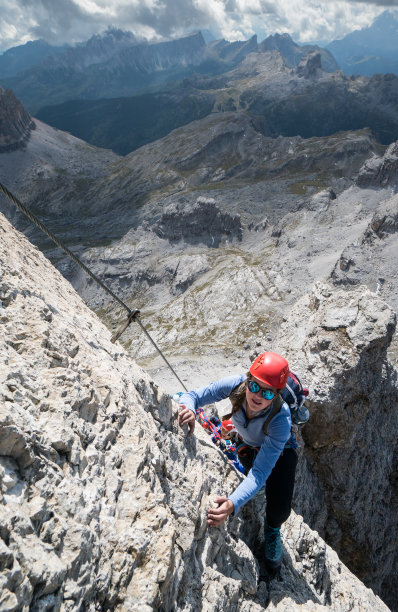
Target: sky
[(69, 21)]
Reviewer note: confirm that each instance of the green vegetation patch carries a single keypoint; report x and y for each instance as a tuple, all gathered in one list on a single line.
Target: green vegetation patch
[(303, 187)]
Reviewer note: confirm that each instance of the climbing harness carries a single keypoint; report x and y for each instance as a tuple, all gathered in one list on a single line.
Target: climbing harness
[(208, 424), (213, 427), (133, 315), (227, 447)]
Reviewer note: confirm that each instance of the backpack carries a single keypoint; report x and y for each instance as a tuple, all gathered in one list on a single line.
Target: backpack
[(294, 394)]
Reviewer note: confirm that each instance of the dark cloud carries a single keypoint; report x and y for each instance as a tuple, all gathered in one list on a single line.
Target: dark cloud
[(67, 21), (59, 21), (263, 7), (55, 21), (59, 15), (386, 3), (166, 20)]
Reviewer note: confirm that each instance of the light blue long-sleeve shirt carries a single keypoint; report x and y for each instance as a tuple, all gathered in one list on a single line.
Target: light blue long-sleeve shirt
[(251, 432)]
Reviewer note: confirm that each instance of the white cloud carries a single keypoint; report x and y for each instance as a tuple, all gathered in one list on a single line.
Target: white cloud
[(74, 20), (95, 8)]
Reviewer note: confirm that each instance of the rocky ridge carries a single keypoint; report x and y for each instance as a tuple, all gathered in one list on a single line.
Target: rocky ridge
[(98, 508), (215, 156), (115, 63), (25, 56), (52, 167), (108, 65), (15, 123), (202, 223), (98, 49), (302, 99), (293, 54), (338, 339), (369, 50), (226, 151), (380, 171), (312, 102)]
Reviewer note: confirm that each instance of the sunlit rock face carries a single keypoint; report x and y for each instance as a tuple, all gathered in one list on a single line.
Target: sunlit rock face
[(347, 484), (103, 497), (380, 171)]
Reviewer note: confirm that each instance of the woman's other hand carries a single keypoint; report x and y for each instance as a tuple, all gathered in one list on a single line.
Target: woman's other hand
[(217, 516), (186, 417)]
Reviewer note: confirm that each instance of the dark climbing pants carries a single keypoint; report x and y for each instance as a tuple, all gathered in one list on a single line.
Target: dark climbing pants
[(279, 486)]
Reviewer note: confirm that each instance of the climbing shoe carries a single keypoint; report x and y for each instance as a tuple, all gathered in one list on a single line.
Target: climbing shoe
[(273, 546)]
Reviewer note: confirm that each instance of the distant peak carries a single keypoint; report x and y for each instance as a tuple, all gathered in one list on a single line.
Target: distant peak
[(278, 38), (386, 18), (277, 41), (284, 36), (310, 65), (113, 33)]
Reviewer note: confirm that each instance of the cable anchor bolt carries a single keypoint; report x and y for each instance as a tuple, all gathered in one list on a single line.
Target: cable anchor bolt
[(132, 317)]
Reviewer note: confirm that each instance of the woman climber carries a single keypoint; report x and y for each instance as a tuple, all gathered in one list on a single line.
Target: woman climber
[(267, 450)]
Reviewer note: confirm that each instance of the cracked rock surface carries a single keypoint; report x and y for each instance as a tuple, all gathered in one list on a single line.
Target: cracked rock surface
[(103, 498), (339, 339)]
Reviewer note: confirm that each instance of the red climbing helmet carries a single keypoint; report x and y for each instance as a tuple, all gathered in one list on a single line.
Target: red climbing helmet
[(271, 368)]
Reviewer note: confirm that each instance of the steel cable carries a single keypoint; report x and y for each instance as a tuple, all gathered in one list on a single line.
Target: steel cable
[(133, 314)]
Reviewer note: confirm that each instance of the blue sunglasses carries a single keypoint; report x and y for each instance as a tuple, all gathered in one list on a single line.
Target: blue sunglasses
[(254, 387)]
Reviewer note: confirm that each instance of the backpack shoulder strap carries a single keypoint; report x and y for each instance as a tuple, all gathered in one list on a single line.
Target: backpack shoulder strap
[(276, 406)]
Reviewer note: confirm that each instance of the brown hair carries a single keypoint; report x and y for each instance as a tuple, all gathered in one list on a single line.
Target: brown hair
[(238, 395)]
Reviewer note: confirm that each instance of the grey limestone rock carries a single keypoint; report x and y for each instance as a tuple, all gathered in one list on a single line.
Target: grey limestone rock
[(15, 122), (203, 222), (371, 259), (310, 66), (292, 53), (339, 339), (321, 200), (103, 498), (384, 221), (380, 171)]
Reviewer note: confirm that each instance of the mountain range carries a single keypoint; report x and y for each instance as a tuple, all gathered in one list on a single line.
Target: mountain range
[(23, 57), (370, 50), (300, 100), (120, 93), (364, 51), (106, 66), (115, 64)]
